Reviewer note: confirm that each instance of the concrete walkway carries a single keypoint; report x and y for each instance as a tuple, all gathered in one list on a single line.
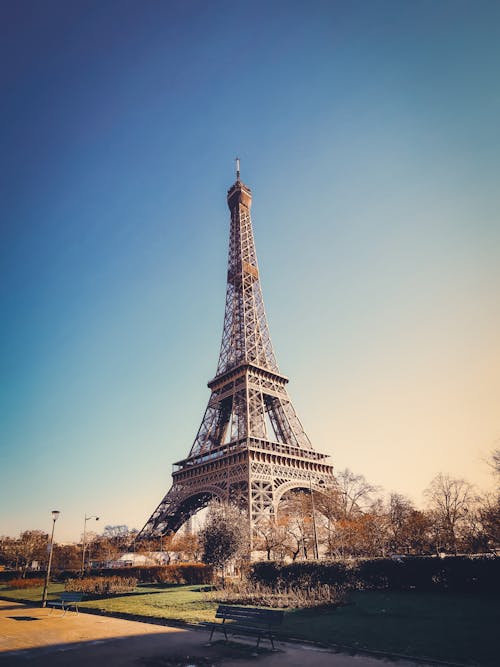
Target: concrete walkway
[(35, 636)]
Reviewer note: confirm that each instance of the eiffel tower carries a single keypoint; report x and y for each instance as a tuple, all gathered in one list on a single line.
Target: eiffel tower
[(251, 448)]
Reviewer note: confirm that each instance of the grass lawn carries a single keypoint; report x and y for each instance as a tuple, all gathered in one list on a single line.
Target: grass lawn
[(456, 628), (179, 603), (31, 594), (173, 602)]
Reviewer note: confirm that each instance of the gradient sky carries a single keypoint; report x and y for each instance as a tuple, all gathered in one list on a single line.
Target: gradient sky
[(369, 134)]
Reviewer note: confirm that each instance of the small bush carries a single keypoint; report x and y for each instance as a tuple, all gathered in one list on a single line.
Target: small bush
[(178, 573), (183, 573), (101, 585), (295, 597), (25, 583)]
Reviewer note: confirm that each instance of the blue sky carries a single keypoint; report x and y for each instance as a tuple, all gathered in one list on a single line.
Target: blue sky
[(368, 132)]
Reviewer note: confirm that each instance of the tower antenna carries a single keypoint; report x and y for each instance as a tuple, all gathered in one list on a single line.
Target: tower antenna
[(237, 168)]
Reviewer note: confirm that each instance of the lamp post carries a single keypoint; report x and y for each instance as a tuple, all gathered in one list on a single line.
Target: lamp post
[(55, 516), (87, 518), (315, 535)]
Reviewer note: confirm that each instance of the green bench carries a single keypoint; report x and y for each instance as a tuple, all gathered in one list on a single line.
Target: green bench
[(247, 620), (68, 599)]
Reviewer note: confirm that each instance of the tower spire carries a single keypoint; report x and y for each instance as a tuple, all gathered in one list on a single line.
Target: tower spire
[(237, 168)]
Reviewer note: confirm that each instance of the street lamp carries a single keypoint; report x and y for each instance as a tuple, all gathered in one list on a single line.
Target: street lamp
[(55, 516), (87, 518), (313, 512)]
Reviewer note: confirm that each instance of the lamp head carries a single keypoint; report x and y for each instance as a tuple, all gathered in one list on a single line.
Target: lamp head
[(55, 515)]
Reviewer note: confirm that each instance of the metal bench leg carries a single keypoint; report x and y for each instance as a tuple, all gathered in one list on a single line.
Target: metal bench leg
[(212, 633)]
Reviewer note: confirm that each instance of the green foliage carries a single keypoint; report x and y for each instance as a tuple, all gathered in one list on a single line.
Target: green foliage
[(304, 574), (455, 574), (223, 536)]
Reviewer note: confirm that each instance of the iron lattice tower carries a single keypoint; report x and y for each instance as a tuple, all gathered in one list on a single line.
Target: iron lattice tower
[(251, 448)]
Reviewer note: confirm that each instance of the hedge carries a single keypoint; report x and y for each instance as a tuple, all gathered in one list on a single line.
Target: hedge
[(7, 575), (31, 582), (181, 573), (453, 573)]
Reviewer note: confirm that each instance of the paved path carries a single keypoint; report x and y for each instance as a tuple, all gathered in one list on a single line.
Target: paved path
[(35, 636)]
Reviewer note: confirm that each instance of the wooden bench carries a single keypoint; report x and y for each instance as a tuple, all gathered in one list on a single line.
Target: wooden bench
[(247, 620), (68, 599)]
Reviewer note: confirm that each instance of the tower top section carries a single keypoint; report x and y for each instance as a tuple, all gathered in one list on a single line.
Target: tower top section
[(239, 193), (245, 338)]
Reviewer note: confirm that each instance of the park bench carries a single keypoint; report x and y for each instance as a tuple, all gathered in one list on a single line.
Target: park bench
[(247, 620), (68, 599)]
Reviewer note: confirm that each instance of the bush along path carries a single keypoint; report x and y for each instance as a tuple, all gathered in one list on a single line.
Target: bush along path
[(457, 574)]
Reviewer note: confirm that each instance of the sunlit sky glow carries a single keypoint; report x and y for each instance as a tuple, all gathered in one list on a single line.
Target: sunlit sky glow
[(369, 134)]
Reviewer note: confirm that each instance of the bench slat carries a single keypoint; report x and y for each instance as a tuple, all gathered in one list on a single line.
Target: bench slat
[(242, 614), (67, 599), (250, 620), (71, 597)]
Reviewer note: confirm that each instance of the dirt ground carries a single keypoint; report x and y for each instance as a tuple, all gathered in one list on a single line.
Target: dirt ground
[(36, 636)]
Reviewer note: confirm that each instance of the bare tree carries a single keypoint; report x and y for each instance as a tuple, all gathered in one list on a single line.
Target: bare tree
[(355, 493), (450, 501), (187, 546), (400, 512), (120, 537), (494, 463), (7, 551), (30, 546), (67, 557), (489, 517), (295, 515), (271, 537)]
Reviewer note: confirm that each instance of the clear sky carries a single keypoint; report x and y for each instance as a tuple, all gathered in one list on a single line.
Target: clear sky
[(369, 134)]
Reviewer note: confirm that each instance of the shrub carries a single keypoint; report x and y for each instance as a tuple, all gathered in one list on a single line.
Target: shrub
[(224, 535), (101, 585), (25, 583), (7, 575), (304, 574), (453, 573), (295, 597), (178, 573), (184, 573)]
